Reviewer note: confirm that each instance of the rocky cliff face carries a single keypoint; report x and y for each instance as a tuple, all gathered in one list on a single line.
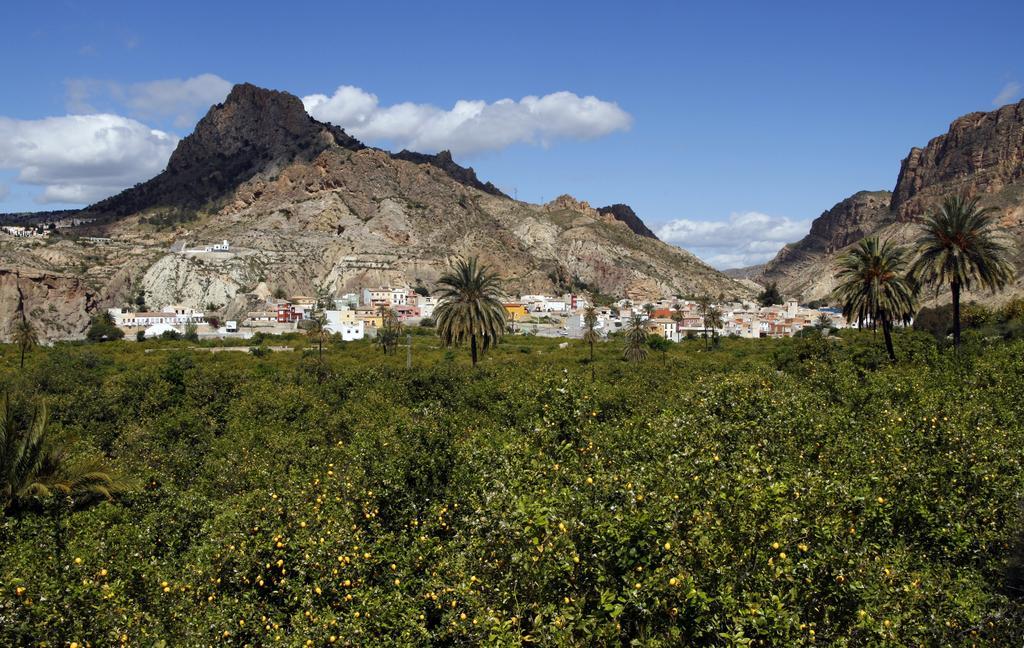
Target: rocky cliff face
[(800, 266), (57, 304), (304, 205), (626, 214), (982, 153)]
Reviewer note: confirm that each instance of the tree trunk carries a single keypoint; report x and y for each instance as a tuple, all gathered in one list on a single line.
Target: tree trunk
[(22, 356), (591, 361), (956, 314), (472, 348), (888, 338)]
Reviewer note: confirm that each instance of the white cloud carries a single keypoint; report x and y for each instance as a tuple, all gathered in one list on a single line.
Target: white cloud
[(1010, 92), (743, 239), (78, 159), (469, 126), (181, 100)]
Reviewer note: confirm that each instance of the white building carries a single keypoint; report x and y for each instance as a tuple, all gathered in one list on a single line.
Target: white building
[(156, 330), (174, 315), (427, 305), (345, 323), (223, 246)]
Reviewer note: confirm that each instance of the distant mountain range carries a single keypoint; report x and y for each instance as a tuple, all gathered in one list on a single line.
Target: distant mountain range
[(304, 205)]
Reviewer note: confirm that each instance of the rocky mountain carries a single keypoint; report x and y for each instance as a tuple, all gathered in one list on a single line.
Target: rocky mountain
[(981, 155), (797, 266), (304, 206), (626, 214)]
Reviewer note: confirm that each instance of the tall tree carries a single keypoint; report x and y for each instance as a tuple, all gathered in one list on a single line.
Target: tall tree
[(823, 323), (677, 312), (31, 469), (959, 246), (704, 307), (470, 308), (316, 329), (636, 339), (25, 337), (872, 284), (770, 295), (390, 330), (713, 321), (590, 335)]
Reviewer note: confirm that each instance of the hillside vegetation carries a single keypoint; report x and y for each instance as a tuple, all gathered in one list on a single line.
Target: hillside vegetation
[(768, 492)]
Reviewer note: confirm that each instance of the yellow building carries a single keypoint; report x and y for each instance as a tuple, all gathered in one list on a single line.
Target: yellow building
[(515, 312), (371, 316)]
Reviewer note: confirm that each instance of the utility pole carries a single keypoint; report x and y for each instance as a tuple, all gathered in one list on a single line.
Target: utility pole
[(408, 351)]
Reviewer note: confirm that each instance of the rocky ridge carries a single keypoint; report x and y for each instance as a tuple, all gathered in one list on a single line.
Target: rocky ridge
[(304, 205), (982, 154), (626, 214)]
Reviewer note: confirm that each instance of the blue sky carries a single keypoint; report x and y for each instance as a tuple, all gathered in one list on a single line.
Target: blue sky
[(738, 122)]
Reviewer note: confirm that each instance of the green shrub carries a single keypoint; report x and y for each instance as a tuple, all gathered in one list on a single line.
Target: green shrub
[(776, 492)]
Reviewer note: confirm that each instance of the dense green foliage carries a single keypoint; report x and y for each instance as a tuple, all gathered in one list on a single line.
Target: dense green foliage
[(770, 296), (1006, 321), (774, 492), (102, 329)]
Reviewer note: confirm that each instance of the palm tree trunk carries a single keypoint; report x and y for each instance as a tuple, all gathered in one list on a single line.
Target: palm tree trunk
[(888, 338), (591, 361), (956, 314), (22, 356), (472, 348)]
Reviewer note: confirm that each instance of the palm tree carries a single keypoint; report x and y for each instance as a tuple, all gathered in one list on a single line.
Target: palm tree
[(25, 337), (823, 322), (872, 285), (960, 246), (648, 309), (636, 339), (316, 328), (704, 307), (32, 470), (470, 307), (713, 320), (677, 312), (590, 335)]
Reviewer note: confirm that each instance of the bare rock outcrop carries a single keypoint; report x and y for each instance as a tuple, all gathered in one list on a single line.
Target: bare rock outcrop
[(982, 153), (626, 214)]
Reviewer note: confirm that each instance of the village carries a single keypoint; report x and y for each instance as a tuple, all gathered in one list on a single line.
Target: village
[(358, 315)]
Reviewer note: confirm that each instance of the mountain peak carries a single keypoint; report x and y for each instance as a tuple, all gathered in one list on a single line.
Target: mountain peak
[(626, 214), (254, 129)]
